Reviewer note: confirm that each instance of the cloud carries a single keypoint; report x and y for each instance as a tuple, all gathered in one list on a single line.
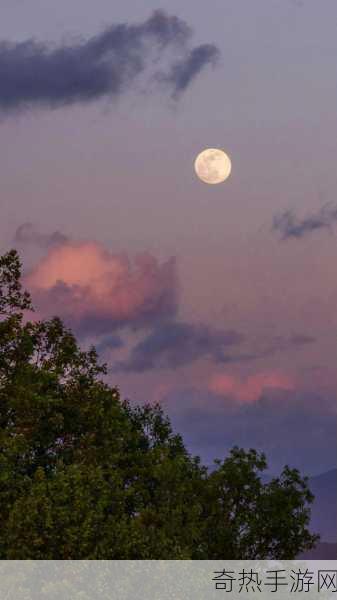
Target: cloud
[(292, 426), (280, 343), (251, 388), (106, 65), (27, 234), (111, 342), (290, 226), (96, 291), (301, 339), (184, 71), (174, 344)]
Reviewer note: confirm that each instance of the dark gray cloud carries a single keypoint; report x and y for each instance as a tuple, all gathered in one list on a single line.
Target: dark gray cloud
[(184, 71), (34, 73), (292, 427), (289, 226), (286, 343), (301, 339), (27, 234), (174, 344), (111, 342)]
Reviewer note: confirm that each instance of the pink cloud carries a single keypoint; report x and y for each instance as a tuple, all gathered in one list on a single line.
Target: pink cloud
[(97, 290), (249, 389)]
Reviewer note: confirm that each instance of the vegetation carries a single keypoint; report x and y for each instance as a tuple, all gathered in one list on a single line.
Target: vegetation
[(84, 474)]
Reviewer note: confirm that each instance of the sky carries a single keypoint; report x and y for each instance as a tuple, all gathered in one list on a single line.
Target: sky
[(219, 301)]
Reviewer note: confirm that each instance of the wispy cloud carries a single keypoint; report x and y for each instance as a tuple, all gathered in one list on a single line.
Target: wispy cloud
[(174, 344), (249, 389), (184, 71), (28, 234), (111, 342), (289, 226), (106, 65)]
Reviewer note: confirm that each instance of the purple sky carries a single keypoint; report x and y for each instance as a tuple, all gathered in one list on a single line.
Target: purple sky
[(218, 301)]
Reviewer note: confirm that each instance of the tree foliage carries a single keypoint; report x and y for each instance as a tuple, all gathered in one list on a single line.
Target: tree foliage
[(85, 475)]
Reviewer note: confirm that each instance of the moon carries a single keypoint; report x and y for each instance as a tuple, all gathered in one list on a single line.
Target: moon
[(213, 166)]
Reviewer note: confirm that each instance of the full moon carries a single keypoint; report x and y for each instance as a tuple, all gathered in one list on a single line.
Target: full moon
[(213, 166)]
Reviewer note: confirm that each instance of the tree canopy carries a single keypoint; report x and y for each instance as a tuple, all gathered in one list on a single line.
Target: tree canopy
[(87, 475)]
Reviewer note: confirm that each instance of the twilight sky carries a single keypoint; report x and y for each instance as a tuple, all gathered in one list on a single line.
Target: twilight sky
[(218, 301)]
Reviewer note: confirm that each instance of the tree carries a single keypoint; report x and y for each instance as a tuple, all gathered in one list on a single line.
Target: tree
[(84, 474)]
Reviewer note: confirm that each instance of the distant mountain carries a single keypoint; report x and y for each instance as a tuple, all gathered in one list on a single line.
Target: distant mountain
[(324, 509)]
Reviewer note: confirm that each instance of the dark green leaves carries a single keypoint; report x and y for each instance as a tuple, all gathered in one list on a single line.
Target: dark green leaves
[(86, 475)]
